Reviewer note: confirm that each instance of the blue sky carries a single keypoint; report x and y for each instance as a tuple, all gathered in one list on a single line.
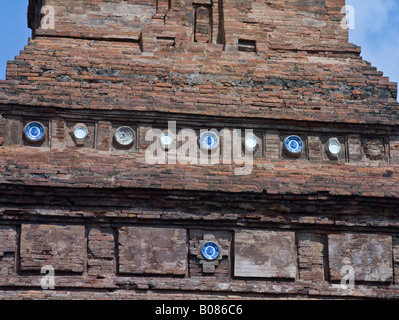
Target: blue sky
[(14, 32), (376, 31)]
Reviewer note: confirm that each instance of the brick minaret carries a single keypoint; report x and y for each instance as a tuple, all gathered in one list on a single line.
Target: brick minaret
[(79, 193)]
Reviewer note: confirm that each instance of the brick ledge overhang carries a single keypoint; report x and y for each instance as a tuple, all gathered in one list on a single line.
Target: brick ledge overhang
[(76, 169)]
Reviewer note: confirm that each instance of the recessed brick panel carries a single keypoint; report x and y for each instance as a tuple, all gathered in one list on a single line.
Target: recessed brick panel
[(8, 247), (101, 251), (310, 256), (146, 250), (265, 254), (63, 247), (369, 255)]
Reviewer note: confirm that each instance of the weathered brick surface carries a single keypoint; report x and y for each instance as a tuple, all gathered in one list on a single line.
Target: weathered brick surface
[(227, 82), (369, 255), (116, 227), (265, 254), (144, 250), (101, 252), (62, 247), (311, 257), (8, 249)]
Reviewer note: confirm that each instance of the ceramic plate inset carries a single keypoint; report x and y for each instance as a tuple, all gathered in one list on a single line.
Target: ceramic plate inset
[(334, 148), (210, 251), (293, 145), (251, 142), (34, 131), (166, 139), (209, 140), (80, 132), (124, 136)]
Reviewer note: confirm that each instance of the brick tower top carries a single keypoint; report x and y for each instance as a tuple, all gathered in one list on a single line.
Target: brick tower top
[(290, 24), (270, 59)]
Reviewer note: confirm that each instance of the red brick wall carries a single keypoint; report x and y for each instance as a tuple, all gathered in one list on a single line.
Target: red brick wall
[(114, 226)]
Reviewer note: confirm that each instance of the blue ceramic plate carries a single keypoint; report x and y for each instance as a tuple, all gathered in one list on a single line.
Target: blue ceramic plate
[(293, 144), (210, 251), (209, 140), (34, 131)]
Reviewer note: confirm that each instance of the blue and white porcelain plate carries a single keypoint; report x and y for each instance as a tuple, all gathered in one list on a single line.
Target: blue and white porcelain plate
[(34, 131), (293, 144), (209, 140), (124, 136), (210, 251)]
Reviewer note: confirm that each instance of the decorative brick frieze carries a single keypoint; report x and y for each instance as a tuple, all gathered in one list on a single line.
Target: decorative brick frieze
[(101, 135), (13, 131), (220, 265), (355, 148), (375, 148), (259, 257)]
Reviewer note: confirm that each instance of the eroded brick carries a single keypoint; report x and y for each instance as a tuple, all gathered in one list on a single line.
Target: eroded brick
[(145, 250), (266, 254), (370, 255), (62, 247)]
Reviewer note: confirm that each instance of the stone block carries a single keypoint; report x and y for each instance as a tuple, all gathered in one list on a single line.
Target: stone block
[(370, 256), (62, 247), (146, 250), (265, 254)]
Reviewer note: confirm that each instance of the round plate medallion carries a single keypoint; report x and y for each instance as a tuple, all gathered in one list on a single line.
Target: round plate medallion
[(251, 142), (124, 136), (80, 132), (34, 131), (209, 140), (210, 251), (293, 145), (166, 139), (334, 148)]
